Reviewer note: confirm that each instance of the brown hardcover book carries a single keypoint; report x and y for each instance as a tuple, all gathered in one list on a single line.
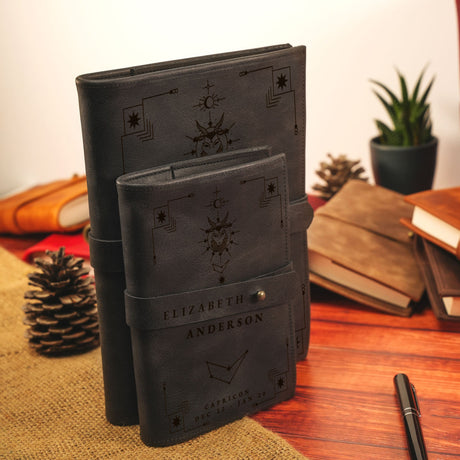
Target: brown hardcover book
[(58, 206), (441, 272), (436, 217), (358, 248)]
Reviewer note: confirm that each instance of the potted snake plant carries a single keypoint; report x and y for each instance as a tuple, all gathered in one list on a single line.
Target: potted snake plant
[(404, 153)]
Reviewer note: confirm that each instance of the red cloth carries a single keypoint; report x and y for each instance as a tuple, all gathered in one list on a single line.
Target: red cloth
[(315, 201), (74, 244)]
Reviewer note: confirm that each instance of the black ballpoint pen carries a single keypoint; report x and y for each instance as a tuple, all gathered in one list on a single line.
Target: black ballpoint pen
[(411, 415)]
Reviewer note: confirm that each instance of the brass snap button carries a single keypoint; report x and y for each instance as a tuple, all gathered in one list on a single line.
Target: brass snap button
[(261, 295)]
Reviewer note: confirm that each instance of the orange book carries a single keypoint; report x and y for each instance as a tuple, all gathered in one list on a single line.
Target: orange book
[(58, 206), (436, 217)]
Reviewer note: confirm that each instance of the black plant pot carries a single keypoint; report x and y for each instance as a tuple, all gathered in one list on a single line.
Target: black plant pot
[(404, 169)]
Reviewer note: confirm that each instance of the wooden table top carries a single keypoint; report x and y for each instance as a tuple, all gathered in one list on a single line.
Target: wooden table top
[(345, 405)]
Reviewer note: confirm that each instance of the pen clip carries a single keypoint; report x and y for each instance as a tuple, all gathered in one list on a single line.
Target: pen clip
[(417, 407)]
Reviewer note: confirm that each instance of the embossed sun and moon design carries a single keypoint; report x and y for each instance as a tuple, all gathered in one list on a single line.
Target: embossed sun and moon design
[(220, 233), (213, 133)]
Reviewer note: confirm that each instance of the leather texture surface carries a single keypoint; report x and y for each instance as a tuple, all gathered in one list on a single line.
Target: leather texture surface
[(441, 273), (359, 229), (152, 115), (441, 204), (201, 239)]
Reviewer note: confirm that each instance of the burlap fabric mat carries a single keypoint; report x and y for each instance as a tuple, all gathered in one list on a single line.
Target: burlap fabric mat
[(53, 408)]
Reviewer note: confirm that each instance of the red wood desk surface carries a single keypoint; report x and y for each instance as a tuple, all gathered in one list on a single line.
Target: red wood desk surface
[(345, 405)]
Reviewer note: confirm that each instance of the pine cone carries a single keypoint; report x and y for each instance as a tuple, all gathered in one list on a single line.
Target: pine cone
[(336, 174), (62, 313)]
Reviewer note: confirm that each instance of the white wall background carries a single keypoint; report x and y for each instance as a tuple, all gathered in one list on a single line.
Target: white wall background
[(45, 44)]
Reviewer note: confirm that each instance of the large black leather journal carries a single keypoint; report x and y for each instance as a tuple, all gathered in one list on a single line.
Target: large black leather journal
[(147, 116), (209, 286)]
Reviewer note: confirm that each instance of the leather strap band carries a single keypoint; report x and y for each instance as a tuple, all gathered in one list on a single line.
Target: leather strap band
[(105, 255), (217, 302), (300, 215)]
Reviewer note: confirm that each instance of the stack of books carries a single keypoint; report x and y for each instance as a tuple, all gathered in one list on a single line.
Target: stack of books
[(359, 249), (436, 224)]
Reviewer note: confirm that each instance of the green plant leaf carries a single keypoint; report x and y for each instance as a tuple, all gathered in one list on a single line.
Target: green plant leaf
[(388, 136), (389, 107), (394, 99), (417, 86), (409, 115), (425, 94), (404, 93)]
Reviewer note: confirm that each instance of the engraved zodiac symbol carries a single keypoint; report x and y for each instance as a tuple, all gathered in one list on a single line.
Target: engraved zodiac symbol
[(219, 236), (212, 138)]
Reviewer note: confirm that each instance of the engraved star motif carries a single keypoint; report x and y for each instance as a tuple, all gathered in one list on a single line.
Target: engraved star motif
[(133, 120), (281, 81), (271, 188), (161, 217), (176, 421)]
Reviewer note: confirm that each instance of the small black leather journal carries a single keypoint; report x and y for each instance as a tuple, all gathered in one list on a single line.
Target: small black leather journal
[(209, 290), (152, 115)]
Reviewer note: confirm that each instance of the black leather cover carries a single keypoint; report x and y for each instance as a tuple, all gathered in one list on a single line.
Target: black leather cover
[(209, 284), (151, 115)]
